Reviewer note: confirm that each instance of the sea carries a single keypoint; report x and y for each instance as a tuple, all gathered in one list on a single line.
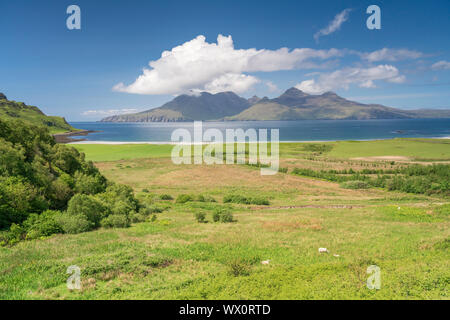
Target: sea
[(304, 130)]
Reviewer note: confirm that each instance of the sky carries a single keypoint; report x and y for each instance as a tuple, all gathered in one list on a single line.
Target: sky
[(132, 56)]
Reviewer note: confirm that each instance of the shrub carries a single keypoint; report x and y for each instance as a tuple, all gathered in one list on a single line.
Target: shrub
[(356, 184), (137, 217), (74, 223), (226, 216), (259, 201), (283, 170), (165, 197), (244, 200), (203, 198), (216, 216), (145, 190), (238, 267), (201, 217), (222, 215), (42, 225), (235, 199), (15, 234), (115, 221), (18, 198), (313, 147), (89, 184), (183, 198), (122, 207), (145, 199), (87, 206)]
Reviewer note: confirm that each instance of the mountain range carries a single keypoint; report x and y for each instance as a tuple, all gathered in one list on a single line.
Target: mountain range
[(293, 104)]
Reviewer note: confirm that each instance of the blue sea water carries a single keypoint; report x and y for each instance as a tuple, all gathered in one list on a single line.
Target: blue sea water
[(306, 130)]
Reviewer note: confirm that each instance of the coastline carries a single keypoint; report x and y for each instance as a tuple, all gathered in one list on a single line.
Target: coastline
[(84, 141), (66, 136)]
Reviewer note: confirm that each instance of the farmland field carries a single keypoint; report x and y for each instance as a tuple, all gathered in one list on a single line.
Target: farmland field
[(282, 220)]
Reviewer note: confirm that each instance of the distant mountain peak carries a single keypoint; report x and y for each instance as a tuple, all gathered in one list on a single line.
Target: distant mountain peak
[(254, 99), (294, 92), (329, 93), (2, 96)]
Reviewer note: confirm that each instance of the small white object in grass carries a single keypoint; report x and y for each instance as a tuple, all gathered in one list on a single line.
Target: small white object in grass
[(398, 208), (336, 255), (323, 250), (265, 262)]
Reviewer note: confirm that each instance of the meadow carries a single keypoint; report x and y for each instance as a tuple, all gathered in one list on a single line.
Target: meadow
[(174, 256)]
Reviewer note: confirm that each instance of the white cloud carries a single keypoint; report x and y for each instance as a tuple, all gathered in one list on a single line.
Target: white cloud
[(387, 54), (272, 86), (441, 65), (343, 78), (109, 112), (334, 25), (198, 65), (231, 82)]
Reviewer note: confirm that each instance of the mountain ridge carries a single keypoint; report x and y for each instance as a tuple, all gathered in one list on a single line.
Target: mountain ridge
[(293, 104)]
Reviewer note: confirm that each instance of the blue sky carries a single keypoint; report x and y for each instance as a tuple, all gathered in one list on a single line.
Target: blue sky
[(87, 74)]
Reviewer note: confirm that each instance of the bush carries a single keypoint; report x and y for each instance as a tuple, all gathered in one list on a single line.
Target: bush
[(138, 217), (216, 216), (222, 215), (165, 197), (201, 217), (15, 234), (87, 206), (244, 200), (237, 268), (202, 198), (121, 207), (75, 223), (226, 216), (356, 184), (89, 184), (259, 201), (42, 225), (313, 147), (183, 198), (115, 221)]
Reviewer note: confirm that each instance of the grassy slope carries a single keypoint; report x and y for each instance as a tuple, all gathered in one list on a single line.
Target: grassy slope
[(176, 257), (19, 110)]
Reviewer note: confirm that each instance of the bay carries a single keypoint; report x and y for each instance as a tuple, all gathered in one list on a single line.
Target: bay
[(305, 130)]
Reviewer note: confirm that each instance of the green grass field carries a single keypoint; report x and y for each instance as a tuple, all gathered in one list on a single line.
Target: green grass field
[(175, 257)]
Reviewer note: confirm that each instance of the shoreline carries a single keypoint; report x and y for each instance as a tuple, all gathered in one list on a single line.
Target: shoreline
[(66, 136), (84, 141)]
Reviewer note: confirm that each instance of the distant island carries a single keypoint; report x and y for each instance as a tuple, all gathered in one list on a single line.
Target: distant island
[(293, 104)]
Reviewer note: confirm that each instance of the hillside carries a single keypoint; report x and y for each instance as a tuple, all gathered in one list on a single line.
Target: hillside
[(31, 114), (293, 104), (204, 106)]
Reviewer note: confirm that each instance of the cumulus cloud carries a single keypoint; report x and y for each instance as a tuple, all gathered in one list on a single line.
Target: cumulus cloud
[(387, 54), (441, 65), (272, 86), (343, 78), (197, 65), (109, 112), (334, 25)]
